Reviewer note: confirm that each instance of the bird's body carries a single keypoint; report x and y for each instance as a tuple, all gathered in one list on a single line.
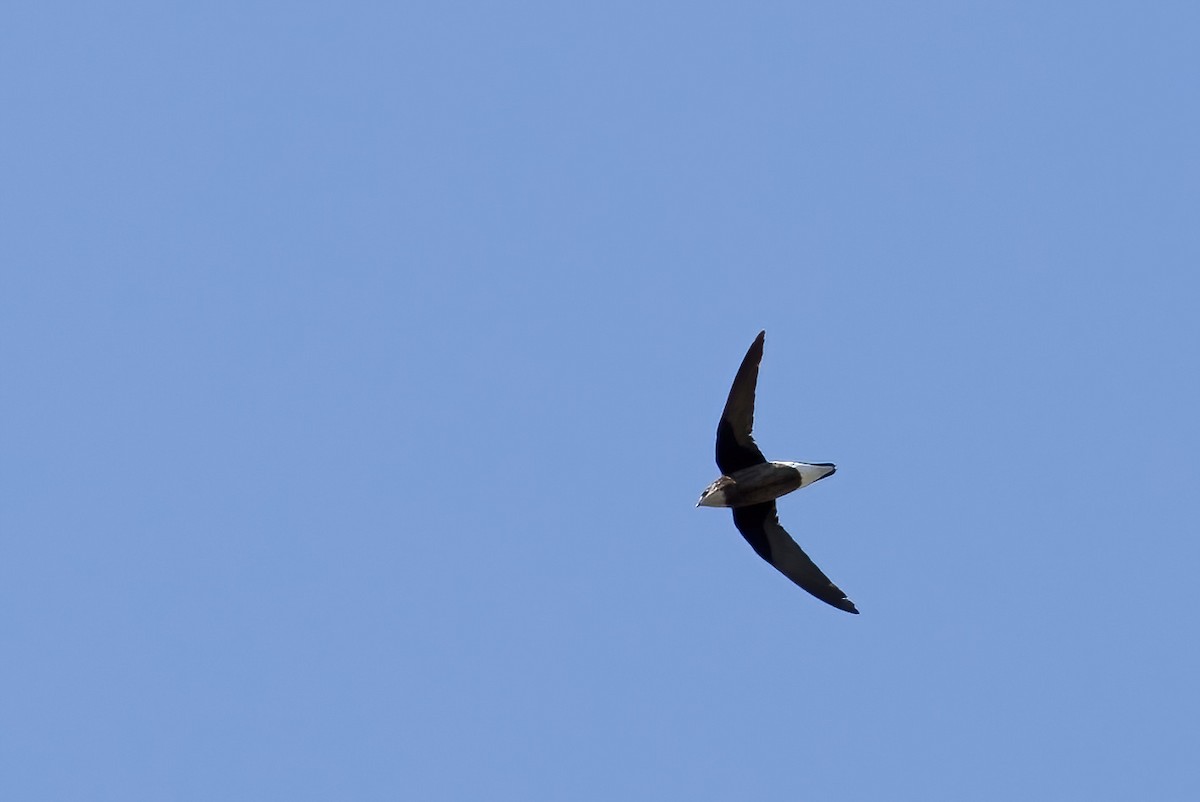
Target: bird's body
[(750, 484), (766, 481)]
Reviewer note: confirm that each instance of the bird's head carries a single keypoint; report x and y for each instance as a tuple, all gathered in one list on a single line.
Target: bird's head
[(714, 494)]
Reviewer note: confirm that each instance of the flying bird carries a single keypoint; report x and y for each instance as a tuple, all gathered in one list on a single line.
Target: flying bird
[(749, 484)]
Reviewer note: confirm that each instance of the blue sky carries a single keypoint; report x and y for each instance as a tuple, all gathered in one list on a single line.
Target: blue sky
[(361, 365)]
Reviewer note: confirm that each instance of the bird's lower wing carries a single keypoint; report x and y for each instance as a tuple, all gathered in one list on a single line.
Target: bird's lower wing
[(759, 524)]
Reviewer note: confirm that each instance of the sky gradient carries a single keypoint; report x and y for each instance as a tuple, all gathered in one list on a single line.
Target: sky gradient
[(361, 366)]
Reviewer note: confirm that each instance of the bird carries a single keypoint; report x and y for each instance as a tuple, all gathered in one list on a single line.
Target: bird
[(749, 484)]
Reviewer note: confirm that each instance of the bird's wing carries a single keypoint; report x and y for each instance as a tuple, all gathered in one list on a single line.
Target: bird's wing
[(759, 524), (736, 449)]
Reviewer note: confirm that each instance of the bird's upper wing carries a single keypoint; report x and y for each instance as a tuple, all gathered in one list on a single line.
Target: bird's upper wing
[(736, 449), (759, 524)]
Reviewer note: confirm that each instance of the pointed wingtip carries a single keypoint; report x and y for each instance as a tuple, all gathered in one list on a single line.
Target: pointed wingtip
[(755, 351)]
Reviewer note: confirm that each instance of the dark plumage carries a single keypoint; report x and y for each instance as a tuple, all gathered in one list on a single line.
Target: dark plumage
[(750, 484)]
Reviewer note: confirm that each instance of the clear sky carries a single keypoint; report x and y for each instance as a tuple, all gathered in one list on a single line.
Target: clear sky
[(360, 364)]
